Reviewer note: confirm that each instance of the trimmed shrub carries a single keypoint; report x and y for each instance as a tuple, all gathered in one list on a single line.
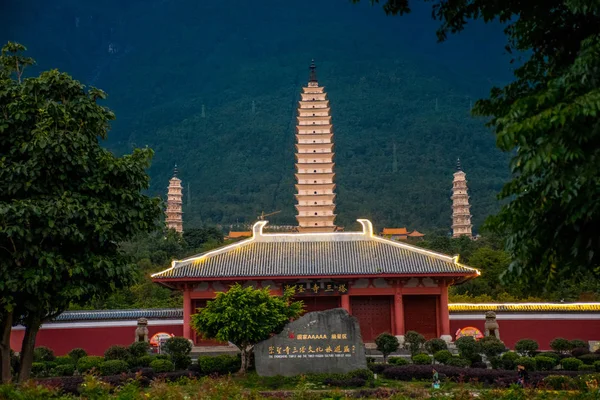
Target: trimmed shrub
[(555, 356), (179, 349), (571, 364), (526, 347), (597, 366), (386, 344), (43, 354), (496, 362), (559, 382), (578, 343), (528, 362), (421, 359), (220, 365), (398, 361), (442, 356), (545, 363), (117, 353), (586, 367), (64, 360), (434, 345), (144, 361), (87, 363), (579, 351), (38, 369), (589, 359), (458, 362), (468, 347), (139, 349), (492, 347), (162, 357), (76, 354), (376, 368), (508, 360), (561, 345), (64, 370), (113, 367), (413, 341), (162, 366)]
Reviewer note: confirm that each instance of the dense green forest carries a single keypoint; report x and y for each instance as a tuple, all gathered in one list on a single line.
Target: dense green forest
[(212, 87)]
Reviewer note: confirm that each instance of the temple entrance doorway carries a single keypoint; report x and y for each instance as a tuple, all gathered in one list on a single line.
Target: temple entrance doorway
[(420, 315), (320, 303), (374, 314)]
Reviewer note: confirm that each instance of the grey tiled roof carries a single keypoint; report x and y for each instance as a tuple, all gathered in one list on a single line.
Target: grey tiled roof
[(334, 254), (96, 315)]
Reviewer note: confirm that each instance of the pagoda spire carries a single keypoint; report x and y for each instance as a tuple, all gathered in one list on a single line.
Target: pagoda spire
[(315, 194), (174, 213), (461, 214)]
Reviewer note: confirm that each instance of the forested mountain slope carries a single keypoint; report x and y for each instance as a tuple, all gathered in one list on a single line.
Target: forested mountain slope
[(213, 87)]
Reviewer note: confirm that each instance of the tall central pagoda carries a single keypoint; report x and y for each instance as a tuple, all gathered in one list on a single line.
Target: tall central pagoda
[(314, 160)]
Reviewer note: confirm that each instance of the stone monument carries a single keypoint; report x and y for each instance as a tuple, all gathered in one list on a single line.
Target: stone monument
[(318, 342)]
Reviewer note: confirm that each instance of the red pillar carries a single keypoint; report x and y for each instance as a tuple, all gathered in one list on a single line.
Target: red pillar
[(346, 302), (444, 312), (187, 311), (398, 315)]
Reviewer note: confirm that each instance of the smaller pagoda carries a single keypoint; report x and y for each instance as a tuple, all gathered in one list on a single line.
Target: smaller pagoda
[(461, 214), (174, 213)]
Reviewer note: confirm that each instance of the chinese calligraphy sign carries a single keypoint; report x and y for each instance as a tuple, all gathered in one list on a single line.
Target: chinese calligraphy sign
[(318, 288)]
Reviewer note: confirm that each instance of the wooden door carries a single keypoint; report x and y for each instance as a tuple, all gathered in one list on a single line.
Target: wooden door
[(373, 314), (320, 303), (420, 315)]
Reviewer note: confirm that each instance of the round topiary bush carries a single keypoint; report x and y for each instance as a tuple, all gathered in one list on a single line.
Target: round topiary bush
[(571, 364), (76, 354), (442, 356), (113, 367), (145, 361), (526, 347), (589, 359), (43, 354), (578, 343), (468, 347), (458, 362), (162, 366), (386, 344), (64, 360), (561, 345), (398, 361), (508, 360), (117, 353), (179, 349), (555, 356), (492, 346), (38, 369), (413, 341), (87, 363), (528, 362), (64, 370), (545, 363), (559, 382), (586, 367), (139, 349), (421, 359), (434, 345)]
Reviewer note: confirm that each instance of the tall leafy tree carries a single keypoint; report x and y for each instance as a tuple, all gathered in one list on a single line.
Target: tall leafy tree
[(245, 316), (65, 202), (548, 118)]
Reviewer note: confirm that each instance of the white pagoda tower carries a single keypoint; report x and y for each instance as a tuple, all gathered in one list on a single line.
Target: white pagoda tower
[(461, 215), (314, 160), (174, 211)]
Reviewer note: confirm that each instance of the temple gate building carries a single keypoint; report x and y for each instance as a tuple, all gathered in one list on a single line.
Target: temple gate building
[(461, 214), (174, 213), (314, 160)]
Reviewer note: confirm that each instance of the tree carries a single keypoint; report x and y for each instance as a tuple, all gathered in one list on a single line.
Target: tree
[(468, 347), (413, 341), (245, 316), (386, 344), (526, 347), (547, 118), (65, 202)]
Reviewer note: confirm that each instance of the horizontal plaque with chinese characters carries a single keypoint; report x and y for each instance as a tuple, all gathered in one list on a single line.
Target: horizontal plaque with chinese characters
[(318, 342), (318, 288)]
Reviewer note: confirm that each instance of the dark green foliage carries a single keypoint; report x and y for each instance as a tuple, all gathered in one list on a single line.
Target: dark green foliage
[(434, 345), (571, 364), (560, 382), (586, 367), (196, 237), (491, 346), (413, 342), (589, 359), (579, 351), (442, 356), (528, 362), (421, 359), (64, 360), (87, 363), (117, 353), (77, 353), (468, 347), (113, 367), (561, 345), (179, 349), (508, 360), (555, 356), (39, 369), (597, 366), (144, 361), (245, 316), (386, 344), (458, 362), (356, 378), (64, 370), (496, 362), (545, 363), (162, 366), (43, 354), (526, 347), (578, 343), (398, 361), (220, 365), (139, 349)]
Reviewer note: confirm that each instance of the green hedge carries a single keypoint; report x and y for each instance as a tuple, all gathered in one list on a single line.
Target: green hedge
[(113, 367), (87, 363), (571, 364), (442, 356), (398, 361), (221, 365), (162, 366), (421, 359)]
